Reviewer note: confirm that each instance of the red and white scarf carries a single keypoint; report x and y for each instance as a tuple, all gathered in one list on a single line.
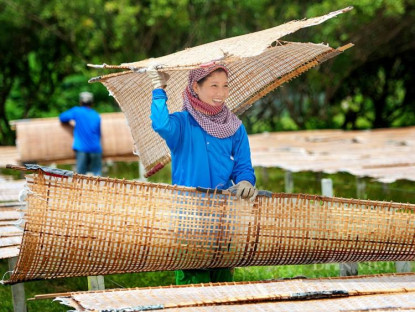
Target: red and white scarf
[(218, 121)]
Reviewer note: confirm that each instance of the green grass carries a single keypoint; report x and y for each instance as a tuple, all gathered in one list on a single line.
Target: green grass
[(272, 179), (309, 271), (344, 185), (167, 278)]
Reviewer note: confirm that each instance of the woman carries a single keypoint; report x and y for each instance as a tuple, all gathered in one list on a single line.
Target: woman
[(208, 143)]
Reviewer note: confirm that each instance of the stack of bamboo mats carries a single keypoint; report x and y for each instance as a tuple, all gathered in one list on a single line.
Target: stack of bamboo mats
[(46, 140), (11, 231)]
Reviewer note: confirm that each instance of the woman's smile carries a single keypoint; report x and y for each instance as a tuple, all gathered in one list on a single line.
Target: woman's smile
[(214, 90)]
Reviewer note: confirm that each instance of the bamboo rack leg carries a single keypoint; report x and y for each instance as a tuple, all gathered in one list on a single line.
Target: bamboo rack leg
[(289, 183), (18, 293), (403, 266), (347, 268), (96, 282), (327, 187)]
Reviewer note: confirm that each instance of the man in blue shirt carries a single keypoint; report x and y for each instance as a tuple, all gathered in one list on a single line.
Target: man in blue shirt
[(87, 135)]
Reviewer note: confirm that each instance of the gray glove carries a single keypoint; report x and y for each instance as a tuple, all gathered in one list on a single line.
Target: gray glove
[(158, 79), (244, 189)]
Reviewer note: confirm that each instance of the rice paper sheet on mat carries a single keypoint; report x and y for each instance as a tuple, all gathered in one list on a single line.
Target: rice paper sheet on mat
[(391, 291)]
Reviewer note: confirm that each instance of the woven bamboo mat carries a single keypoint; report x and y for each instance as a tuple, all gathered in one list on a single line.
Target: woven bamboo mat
[(258, 63), (79, 225), (10, 233), (47, 140), (10, 214), (9, 251), (9, 189), (380, 303), (290, 295)]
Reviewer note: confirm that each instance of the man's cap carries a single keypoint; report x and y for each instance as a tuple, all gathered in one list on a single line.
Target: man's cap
[(86, 97)]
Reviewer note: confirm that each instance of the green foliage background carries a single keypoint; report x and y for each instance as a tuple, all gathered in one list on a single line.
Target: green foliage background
[(45, 46)]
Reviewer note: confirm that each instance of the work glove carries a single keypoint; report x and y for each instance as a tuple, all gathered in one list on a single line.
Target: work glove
[(158, 79), (244, 189)]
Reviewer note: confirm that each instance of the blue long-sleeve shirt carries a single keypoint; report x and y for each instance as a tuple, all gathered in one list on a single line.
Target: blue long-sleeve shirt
[(87, 132), (199, 159)]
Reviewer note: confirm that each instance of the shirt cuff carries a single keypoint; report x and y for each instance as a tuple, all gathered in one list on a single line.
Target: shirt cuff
[(159, 94)]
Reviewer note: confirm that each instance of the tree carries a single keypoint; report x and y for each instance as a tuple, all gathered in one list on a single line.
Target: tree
[(369, 86), (46, 45)]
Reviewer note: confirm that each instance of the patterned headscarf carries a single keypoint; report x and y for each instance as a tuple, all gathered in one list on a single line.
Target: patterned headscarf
[(218, 121)]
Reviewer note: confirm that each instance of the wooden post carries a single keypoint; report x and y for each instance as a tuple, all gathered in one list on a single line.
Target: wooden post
[(400, 266), (360, 188), (96, 282), (289, 183), (141, 172), (18, 293), (327, 187), (265, 175), (403, 266), (346, 268)]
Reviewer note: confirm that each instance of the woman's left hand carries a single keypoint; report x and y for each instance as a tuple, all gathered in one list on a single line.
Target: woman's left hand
[(245, 190)]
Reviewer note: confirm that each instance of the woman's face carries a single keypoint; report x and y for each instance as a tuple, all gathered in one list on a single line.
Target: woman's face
[(214, 90)]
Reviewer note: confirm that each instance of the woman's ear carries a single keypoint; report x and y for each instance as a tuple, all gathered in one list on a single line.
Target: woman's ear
[(195, 87)]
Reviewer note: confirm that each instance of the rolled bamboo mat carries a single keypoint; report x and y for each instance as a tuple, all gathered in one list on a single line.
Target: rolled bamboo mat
[(78, 225), (322, 294), (48, 140)]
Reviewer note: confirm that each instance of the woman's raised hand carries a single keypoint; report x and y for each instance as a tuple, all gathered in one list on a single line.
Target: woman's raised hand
[(158, 79)]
